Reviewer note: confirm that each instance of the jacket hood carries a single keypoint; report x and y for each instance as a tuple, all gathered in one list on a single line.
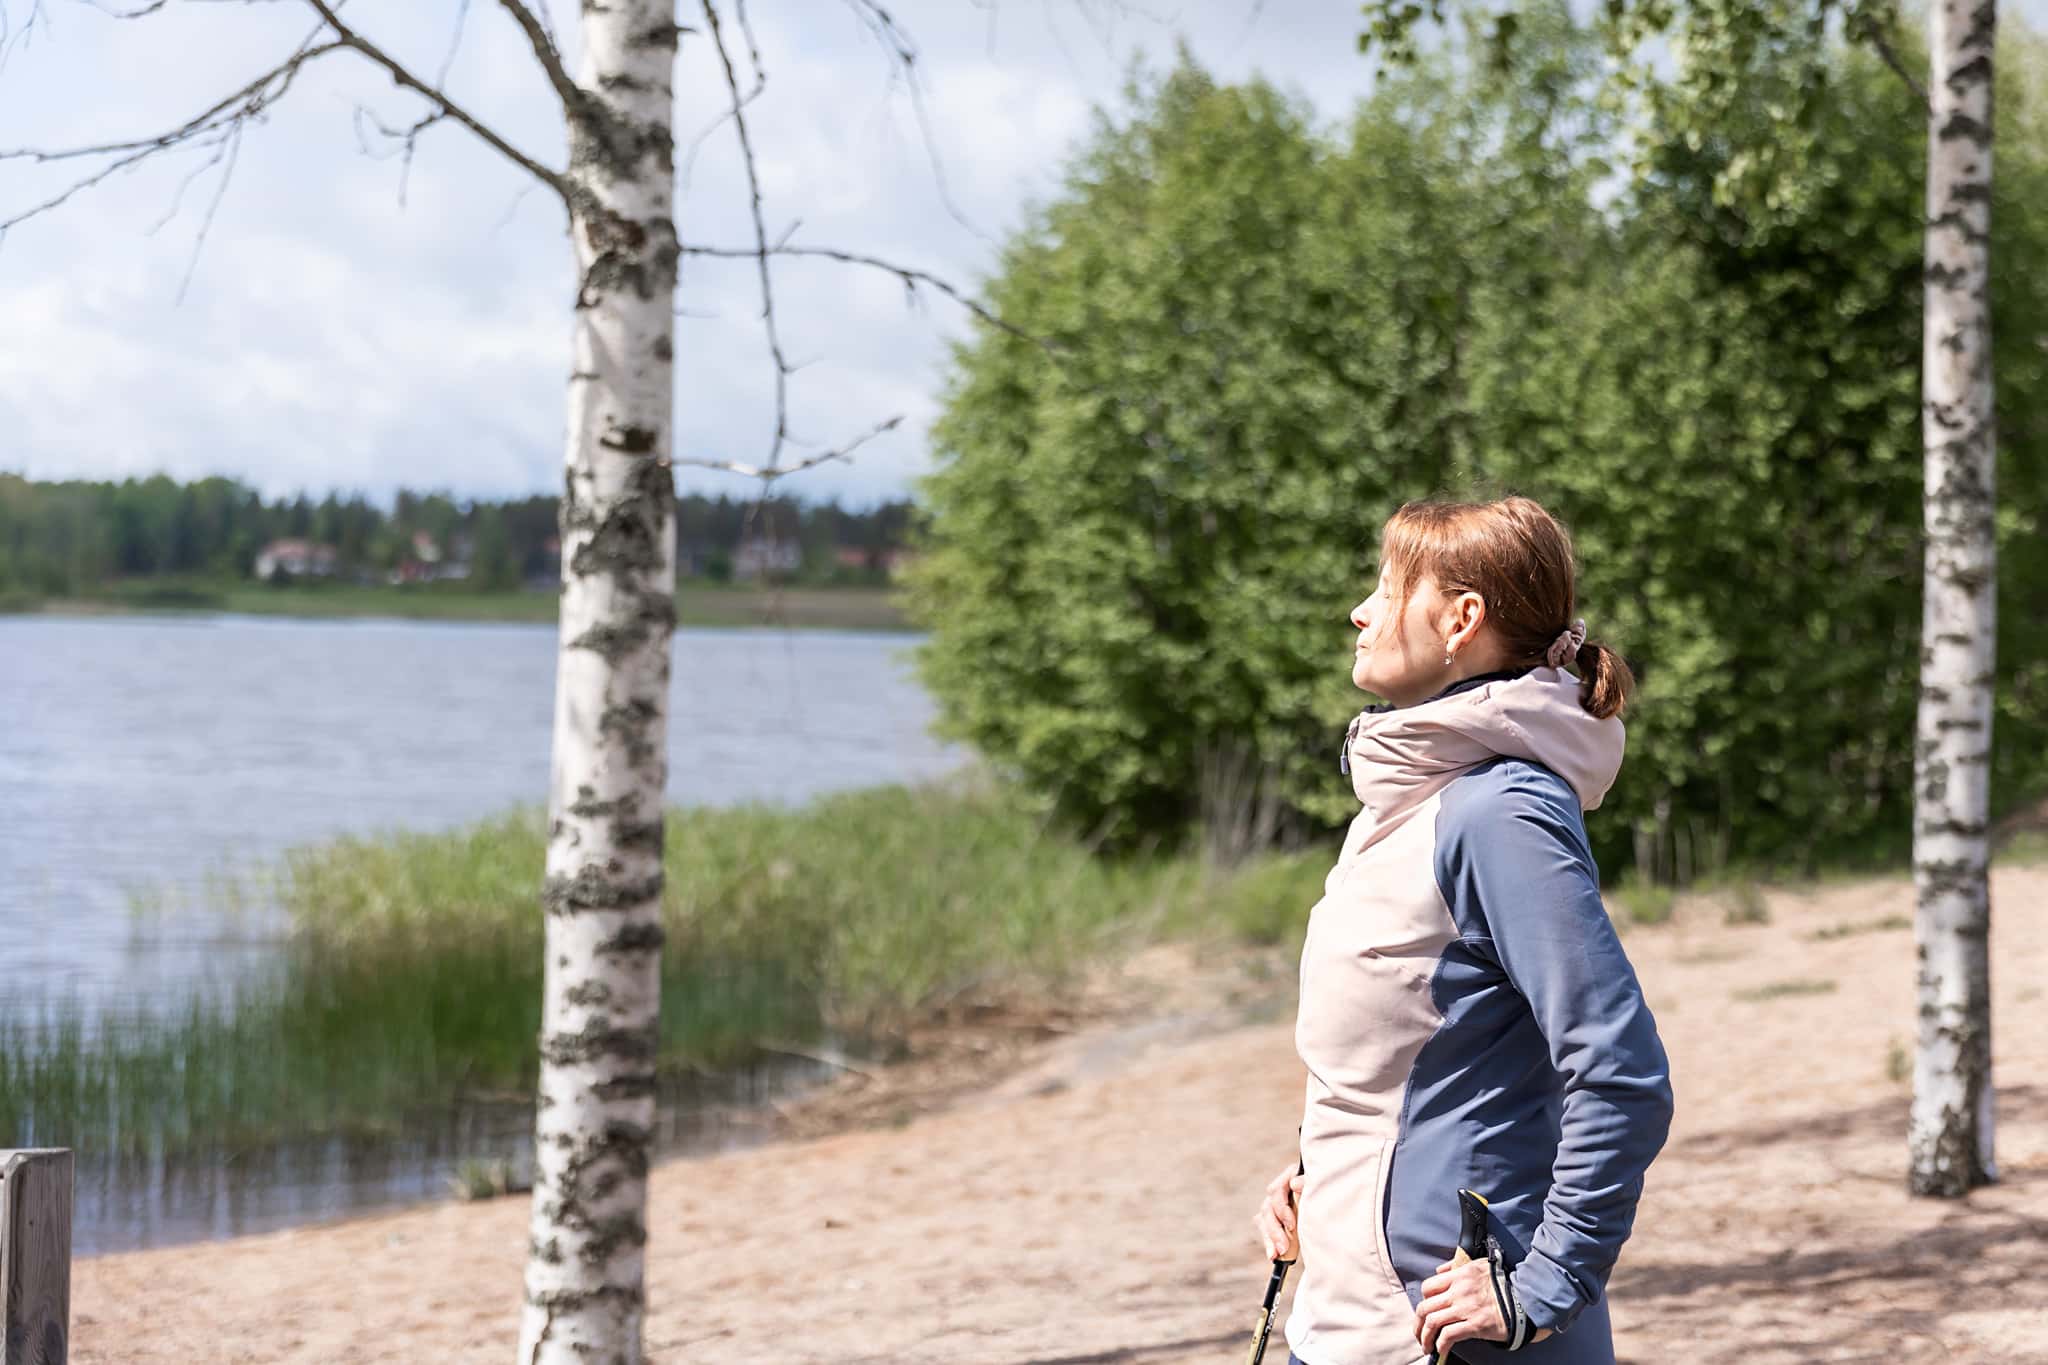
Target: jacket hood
[(1401, 756)]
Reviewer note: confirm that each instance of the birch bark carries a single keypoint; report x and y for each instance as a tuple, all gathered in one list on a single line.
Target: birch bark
[(1950, 1129), (602, 893)]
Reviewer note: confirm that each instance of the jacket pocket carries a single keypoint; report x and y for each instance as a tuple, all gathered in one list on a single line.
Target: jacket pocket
[(1382, 1252)]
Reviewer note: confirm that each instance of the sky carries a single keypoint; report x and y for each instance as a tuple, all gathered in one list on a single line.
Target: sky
[(324, 332), (328, 332)]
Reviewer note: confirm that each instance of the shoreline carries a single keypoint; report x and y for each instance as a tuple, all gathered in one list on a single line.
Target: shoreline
[(864, 609), (1082, 1184), (980, 1052)]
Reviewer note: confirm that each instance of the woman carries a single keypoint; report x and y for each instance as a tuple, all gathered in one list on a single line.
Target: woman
[(1468, 1017)]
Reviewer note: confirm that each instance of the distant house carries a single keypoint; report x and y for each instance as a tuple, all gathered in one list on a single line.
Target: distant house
[(455, 563), (855, 559), (428, 562), (296, 559), (763, 557)]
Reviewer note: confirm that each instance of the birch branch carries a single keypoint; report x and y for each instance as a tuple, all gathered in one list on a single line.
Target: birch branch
[(549, 56), (734, 109), (555, 180), (910, 275), (212, 127), (902, 52), (768, 474), (761, 251)]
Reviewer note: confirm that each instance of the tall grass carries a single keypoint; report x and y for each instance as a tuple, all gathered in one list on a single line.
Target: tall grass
[(412, 979), (853, 913)]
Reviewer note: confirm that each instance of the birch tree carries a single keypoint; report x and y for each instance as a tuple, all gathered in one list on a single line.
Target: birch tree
[(1951, 1134), (602, 895), (602, 890), (1720, 50)]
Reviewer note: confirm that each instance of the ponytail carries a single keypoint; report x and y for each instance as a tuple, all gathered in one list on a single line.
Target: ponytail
[(1605, 681)]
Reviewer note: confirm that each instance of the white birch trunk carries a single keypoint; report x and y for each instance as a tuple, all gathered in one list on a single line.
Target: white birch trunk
[(1950, 1138), (602, 897)]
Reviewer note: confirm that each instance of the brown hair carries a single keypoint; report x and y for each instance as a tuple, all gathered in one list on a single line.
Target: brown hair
[(1519, 558)]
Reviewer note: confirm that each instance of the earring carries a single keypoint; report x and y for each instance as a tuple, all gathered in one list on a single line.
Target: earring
[(1447, 658)]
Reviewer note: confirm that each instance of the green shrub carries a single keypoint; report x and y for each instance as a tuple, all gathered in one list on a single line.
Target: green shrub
[(1643, 901)]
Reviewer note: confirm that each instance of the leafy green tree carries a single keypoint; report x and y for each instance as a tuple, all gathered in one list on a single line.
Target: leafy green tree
[(1141, 545), (492, 567), (1723, 410), (1145, 537)]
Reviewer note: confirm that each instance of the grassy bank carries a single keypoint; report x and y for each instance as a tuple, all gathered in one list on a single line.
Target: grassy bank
[(847, 608), (414, 974)]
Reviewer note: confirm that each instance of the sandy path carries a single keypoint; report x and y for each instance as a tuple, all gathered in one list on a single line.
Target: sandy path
[(1096, 1206)]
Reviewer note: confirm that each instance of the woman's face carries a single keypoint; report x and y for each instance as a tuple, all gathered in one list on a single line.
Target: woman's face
[(1400, 660)]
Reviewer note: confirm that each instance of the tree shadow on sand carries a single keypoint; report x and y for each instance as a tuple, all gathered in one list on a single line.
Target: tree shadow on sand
[(1976, 1257)]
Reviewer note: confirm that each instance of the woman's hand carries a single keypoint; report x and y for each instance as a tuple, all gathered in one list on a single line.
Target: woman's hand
[(1275, 1218), (1458, 1305)]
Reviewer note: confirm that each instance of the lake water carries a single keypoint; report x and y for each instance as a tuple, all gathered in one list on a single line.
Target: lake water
[(143, 757)]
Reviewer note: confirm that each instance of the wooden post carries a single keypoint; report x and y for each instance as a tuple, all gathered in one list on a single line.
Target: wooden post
[(35, 1256)]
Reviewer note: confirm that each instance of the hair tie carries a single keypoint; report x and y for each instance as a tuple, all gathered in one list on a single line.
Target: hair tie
[(1566, 646)]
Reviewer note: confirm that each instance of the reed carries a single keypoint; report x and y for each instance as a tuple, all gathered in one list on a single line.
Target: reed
[(412, 978)]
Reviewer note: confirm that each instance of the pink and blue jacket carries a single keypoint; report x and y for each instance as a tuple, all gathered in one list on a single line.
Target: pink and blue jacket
[(1468, 1019)]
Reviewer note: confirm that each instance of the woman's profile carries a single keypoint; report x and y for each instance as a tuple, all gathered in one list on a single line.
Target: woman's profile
[(1468, 1018)]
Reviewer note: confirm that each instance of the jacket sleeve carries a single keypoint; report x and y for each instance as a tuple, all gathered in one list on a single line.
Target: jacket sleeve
[(1518, 863)]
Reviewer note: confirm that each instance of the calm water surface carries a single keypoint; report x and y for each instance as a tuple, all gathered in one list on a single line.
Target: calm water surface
[(143, 757)]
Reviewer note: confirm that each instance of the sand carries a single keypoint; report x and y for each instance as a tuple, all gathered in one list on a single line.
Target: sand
[(1082, 1191)]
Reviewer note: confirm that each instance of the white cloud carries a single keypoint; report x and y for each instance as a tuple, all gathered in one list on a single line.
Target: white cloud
[(331, 338)]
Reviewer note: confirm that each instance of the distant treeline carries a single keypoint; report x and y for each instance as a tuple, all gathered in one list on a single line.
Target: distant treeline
[(70, 538)]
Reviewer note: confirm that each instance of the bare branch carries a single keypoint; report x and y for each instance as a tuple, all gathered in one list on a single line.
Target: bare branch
[(761, 250), (777, 601), (573, 97), (211, 126), (512, 208), (547, 25), (178, 199), (902, 53), (739, 9), (911, 276), (769, 473), (731, 111), (10, 38), (234, 147), (252, 97), (218, 127), (555, 180), (407, 138), (454, 43)]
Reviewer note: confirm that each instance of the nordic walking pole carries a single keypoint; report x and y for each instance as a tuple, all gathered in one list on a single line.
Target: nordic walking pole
[(1264, 1328), (1475, 1243), (1471, 1241), (1265, 1325)]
